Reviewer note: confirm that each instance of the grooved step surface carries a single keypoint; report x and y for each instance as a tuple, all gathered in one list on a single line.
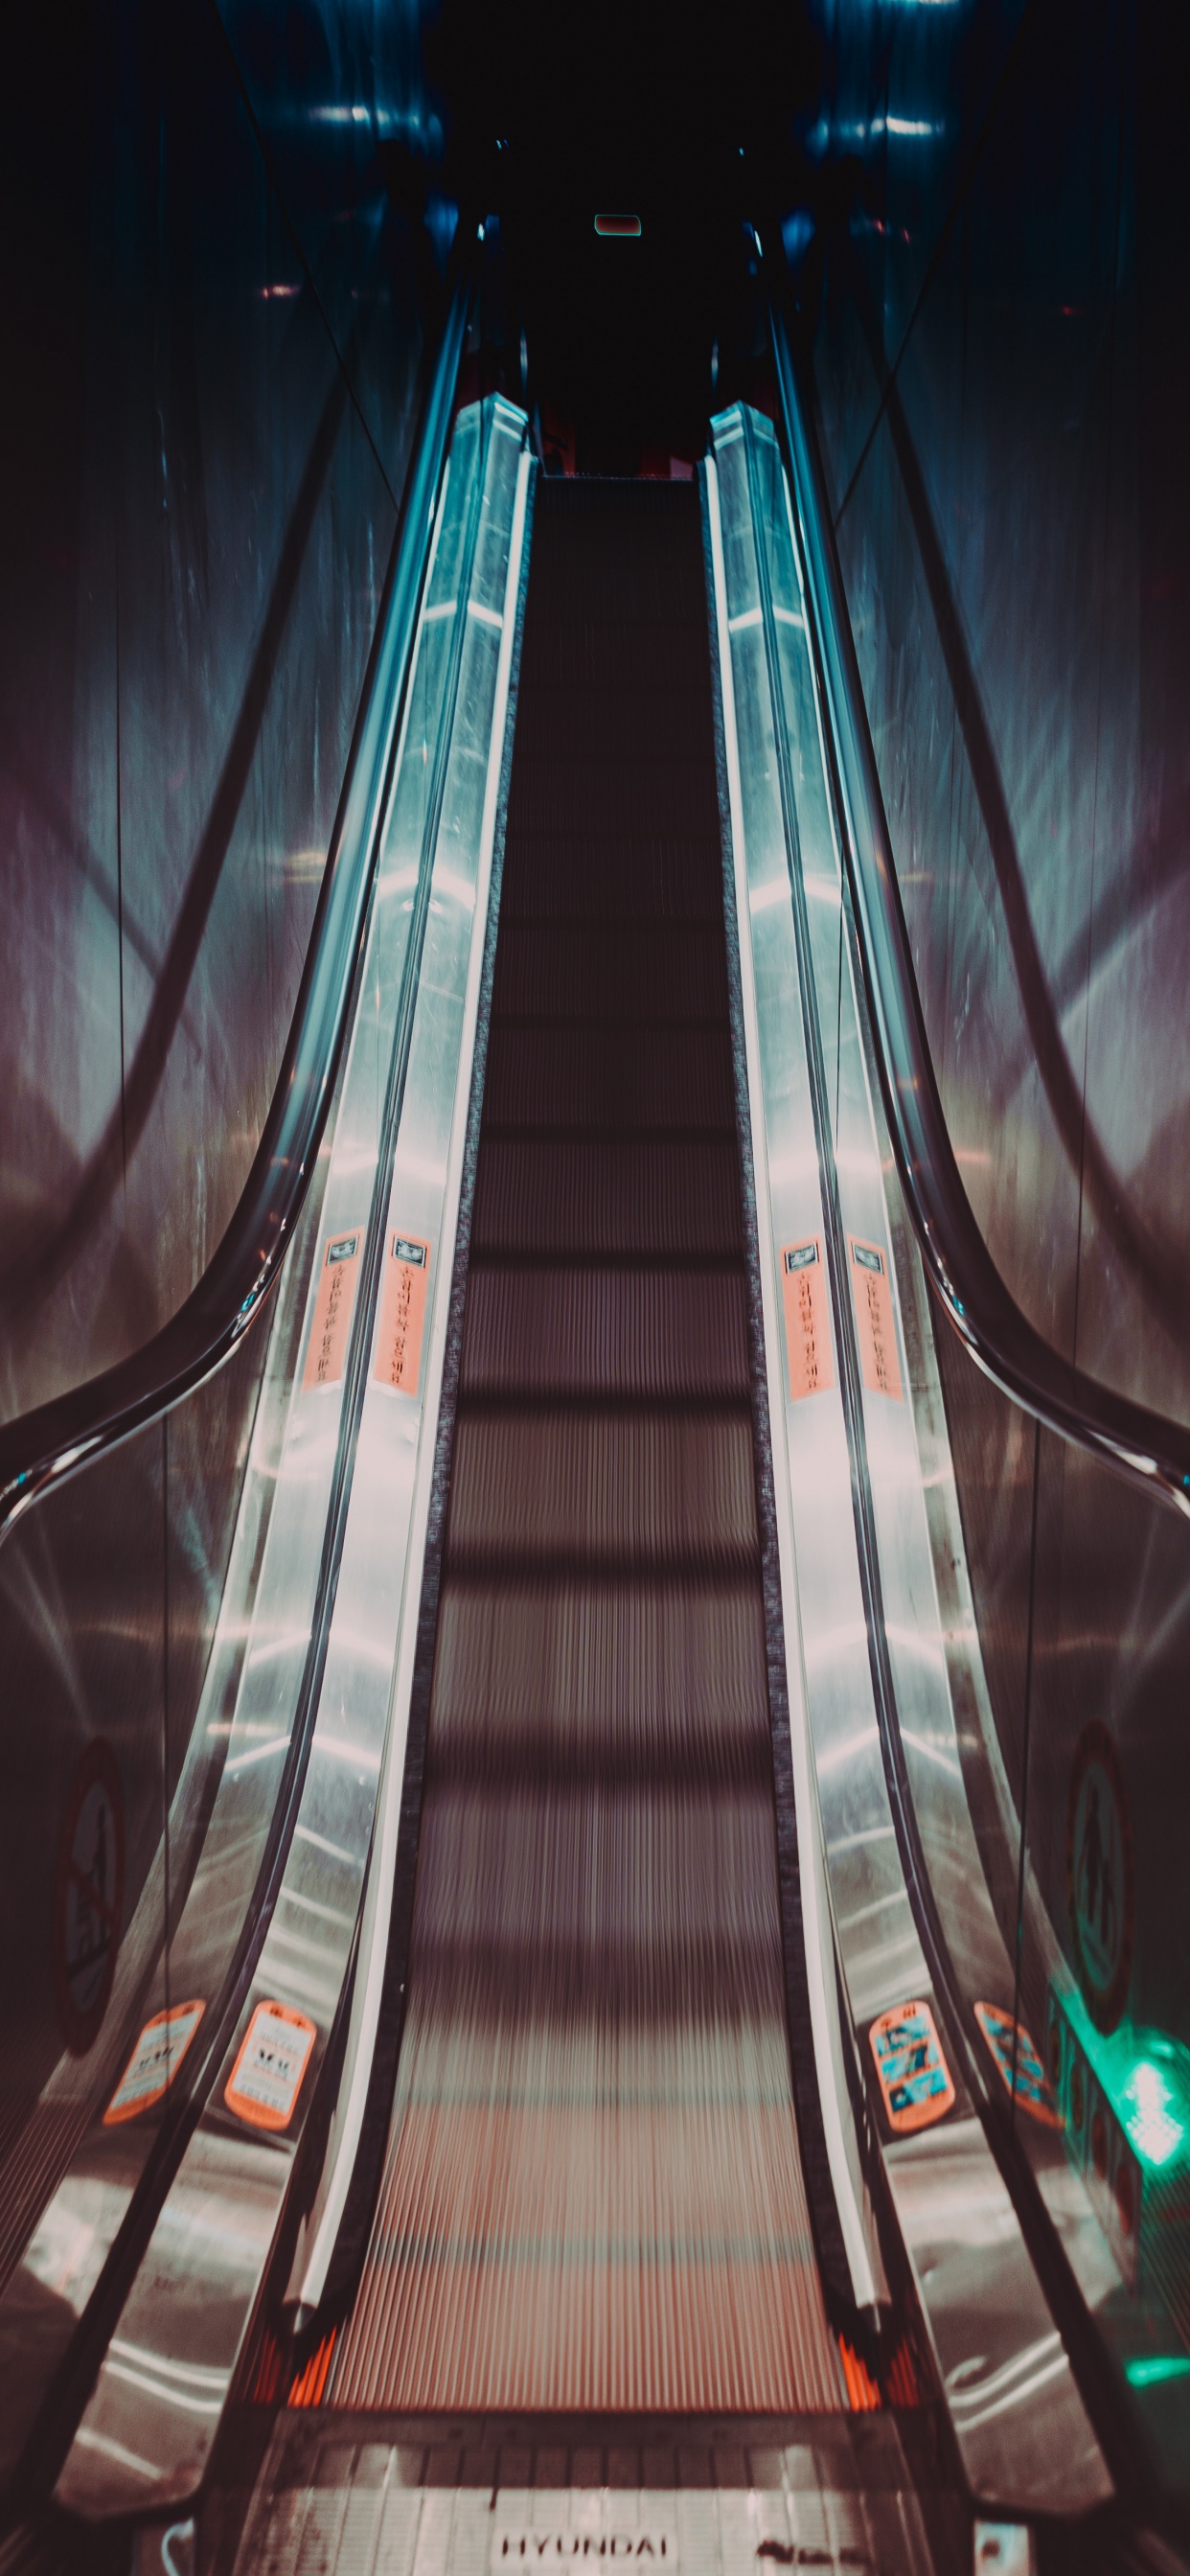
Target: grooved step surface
[(593, 2200), (634, 878), (599, 1076), (631, 1488), (670, 969), (620, 1334), (660, 1202)]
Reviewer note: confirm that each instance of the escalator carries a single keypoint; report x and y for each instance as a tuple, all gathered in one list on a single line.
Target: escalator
[(590, 2068), (593, 2223), (592, 2200)]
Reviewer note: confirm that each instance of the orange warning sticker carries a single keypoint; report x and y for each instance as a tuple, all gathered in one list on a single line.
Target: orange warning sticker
[(402, 1314), (874, 1318), (1019, 2064), (267, 2076), (327, 1353), (915, 2079), (154, 2062), (807, 1324)]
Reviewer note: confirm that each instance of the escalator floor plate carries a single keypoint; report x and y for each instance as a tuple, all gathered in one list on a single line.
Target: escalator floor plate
[(593, 2201), (720, 2502)]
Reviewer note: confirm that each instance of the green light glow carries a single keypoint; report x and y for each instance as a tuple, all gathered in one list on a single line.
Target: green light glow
[(1153, 2373), (1150, 2107)]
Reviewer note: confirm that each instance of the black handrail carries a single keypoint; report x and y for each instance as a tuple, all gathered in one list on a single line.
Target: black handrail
[(1149, 1449), (41, 1448)]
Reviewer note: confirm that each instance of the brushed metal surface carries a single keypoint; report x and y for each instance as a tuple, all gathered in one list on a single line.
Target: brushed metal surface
[(170, 2315), (979, 2332), (222, 1802)]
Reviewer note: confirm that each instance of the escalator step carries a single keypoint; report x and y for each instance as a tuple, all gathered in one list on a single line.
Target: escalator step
[(615, 1333), (667, 971), (645, 1672), (665, 1201), (629, 877), (633, 1079)]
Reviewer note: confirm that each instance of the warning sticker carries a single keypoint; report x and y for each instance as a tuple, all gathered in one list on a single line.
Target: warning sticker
[(267, 2076), (807, 1322), (1032, 2087), (88, 1896), (154, 2062), (914, 2077), (327, 1354), (1100, 1875), (402, 1314), (874, 1319)]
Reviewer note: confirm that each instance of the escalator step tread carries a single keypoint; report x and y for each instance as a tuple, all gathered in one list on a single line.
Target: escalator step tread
[(587, 875), (636, 1078), (668, 971), (637, 1485), (627, 1333), (603, 799), (655, 1668), (605, 1200)]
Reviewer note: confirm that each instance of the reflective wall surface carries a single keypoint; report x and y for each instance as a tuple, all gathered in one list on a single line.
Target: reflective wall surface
[(1082, 1606), (996, 290), (1000, 363), (213, 334)]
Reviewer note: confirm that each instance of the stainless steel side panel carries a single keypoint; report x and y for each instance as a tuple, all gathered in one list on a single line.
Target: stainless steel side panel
[(1025, 2440), (148, 2428)]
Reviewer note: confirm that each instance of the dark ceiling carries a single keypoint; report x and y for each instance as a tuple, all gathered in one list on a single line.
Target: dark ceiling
[(552, 116)]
